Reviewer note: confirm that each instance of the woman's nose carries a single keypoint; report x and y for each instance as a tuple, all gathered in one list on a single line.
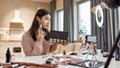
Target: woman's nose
[(48, 22)]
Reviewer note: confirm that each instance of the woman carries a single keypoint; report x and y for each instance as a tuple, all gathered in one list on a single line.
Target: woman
[(35, 40)]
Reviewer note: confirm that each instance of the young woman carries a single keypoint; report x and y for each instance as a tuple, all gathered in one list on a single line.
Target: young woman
[(36, 40)]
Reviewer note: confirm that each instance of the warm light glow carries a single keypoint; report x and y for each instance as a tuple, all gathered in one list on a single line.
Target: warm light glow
[(17, 18)]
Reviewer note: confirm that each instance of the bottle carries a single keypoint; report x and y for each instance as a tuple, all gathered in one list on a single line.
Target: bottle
[(8, 56), (64, 54)]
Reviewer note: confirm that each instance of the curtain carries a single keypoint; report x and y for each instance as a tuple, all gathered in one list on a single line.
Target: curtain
[(106, 33), (53, 18), (68, 19), (95, 30), (115, 23)]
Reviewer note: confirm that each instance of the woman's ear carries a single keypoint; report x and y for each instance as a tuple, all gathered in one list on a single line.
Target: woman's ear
[(38, 18)]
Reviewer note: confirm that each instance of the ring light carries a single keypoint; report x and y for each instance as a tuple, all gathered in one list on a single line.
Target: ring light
[(99, 21)]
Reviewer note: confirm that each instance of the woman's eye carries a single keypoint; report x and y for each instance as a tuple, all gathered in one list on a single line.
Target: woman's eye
[(46, 19)]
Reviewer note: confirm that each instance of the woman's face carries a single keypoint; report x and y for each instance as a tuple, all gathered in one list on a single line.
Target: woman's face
[(45, 20)]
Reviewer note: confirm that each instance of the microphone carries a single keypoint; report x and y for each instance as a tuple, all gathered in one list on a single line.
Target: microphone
[(113, 3)]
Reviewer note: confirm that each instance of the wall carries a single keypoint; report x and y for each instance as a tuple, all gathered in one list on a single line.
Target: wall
[(10, 44), (59, 4), (27, 10)]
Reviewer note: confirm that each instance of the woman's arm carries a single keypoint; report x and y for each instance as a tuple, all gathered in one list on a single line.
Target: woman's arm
[(31, 48), (46, 47)]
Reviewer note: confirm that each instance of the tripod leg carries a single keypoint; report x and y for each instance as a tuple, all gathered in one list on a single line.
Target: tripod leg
[(81, 50)]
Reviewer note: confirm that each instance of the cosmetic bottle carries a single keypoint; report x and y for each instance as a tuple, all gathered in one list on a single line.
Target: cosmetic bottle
[(8, 56)]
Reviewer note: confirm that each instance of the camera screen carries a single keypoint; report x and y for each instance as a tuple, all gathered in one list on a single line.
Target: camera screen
[(91, 38)]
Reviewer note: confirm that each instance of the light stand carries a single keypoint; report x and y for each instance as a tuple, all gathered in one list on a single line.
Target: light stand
[(112, 50), (113, 4), (105, 53)]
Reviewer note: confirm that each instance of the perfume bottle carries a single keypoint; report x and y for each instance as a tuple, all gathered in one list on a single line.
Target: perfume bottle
[(64, 54), (8, 56)]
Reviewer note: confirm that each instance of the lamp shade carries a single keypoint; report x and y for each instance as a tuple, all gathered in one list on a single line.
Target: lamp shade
[(93, 9), (17, 18), (16, 28), (104, 5), (16, 24)]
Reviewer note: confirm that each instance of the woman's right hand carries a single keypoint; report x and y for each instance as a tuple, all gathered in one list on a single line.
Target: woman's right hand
[(40, 35)]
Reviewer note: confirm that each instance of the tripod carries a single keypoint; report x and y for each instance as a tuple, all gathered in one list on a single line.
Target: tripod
[(91, 51), (81, 49)]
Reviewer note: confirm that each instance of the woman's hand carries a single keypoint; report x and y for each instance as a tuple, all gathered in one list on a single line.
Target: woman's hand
[(40, 35)]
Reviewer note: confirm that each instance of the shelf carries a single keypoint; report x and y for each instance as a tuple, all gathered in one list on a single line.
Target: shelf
[(10, 40)]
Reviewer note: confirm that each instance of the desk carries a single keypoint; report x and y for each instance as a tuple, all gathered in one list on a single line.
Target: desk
[(37, 59), (41, 60)]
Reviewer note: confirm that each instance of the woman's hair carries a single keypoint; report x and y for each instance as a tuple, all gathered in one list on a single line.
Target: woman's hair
[(35, 25)]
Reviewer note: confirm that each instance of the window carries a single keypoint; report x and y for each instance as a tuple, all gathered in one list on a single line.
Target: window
[(60, 20), (84, 19)]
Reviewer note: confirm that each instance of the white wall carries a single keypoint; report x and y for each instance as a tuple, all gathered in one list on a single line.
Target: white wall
[(10, 45), (27, 10)]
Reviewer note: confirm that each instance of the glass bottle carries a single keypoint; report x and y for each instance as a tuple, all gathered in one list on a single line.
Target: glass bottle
[(8, 56), (64, 54)]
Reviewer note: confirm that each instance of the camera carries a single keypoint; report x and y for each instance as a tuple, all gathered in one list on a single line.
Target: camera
[(90, 38)]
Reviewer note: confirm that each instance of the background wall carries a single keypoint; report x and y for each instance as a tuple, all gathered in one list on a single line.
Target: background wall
[(27, 10), (59, 4)]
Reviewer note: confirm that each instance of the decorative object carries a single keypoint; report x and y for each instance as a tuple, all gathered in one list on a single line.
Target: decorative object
[(83, 30), (16, 24)]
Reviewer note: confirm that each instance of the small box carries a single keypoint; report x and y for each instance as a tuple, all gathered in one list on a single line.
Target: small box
[(17, 49)]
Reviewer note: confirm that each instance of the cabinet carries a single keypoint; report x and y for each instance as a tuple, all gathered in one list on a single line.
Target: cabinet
[(4, 44)]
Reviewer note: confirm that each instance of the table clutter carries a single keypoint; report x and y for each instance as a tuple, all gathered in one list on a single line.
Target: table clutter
[(27, 65), (51, 61)]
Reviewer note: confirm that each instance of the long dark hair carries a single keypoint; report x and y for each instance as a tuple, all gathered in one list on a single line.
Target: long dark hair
[(35, 25)]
